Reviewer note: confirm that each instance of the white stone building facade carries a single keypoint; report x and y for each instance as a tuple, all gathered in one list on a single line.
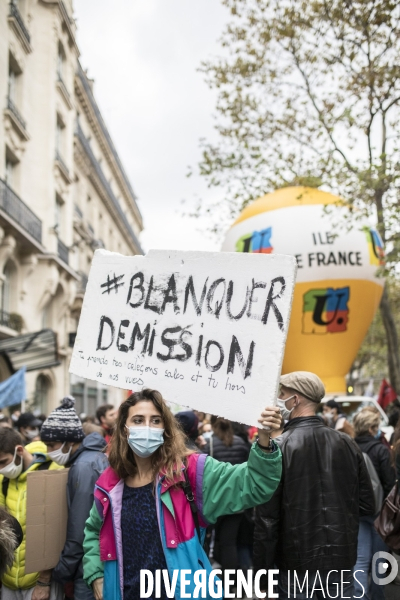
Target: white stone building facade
[(63, 193)]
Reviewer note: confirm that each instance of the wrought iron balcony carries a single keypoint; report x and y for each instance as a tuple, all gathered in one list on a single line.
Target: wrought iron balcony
[(105, 184), (15, 208), (15, 112), (63, 251), (15, 14), (13, 321)]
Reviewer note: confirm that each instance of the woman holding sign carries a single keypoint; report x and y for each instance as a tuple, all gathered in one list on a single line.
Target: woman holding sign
[(144, 536)]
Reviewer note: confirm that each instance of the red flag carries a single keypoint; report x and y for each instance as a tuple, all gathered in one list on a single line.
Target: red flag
[(386, 394)]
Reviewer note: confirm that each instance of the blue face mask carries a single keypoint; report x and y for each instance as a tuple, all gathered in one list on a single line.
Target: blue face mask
[(207, 434), (378, 435), (144, 441)]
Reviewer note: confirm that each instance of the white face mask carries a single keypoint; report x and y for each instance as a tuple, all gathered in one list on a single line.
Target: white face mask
[(281, 404), (59, 457), (329, 417), (32, 433), (12, 471)]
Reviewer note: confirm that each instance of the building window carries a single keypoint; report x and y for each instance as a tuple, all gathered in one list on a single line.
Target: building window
[(46, 316), (42, 390), (78, 393), (11, 84), (91, 400), (14, 79), (88, 398), (61, 62), (11, 170), (58, 216), (60, 131), (7, 288)]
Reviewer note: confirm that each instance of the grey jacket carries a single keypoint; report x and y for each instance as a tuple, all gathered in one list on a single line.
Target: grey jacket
[(85, 465)]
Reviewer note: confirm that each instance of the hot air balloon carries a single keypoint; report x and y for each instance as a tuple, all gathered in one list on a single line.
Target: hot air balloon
[(338, 287)]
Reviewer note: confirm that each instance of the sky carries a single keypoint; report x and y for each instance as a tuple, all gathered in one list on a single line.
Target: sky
[(144, 56)]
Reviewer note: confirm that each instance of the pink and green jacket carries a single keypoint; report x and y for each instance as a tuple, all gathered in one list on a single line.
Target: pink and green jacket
[(218, 488)]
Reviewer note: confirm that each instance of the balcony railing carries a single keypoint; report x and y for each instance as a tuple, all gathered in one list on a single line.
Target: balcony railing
[(63, 251), (13, 321), (15, 208), (14, 12), (11, 106), (106, 185)]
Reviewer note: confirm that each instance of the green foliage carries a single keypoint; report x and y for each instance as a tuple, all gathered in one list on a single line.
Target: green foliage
[(308, 92), (371, 360)]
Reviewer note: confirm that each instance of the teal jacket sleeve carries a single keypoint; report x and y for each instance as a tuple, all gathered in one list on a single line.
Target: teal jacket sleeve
[(92, 565), (228, 489)]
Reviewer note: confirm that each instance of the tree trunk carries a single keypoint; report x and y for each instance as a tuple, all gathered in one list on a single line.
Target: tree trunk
[(392, 341)]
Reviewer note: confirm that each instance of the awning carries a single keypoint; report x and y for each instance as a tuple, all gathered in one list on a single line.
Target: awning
[(33, 350)]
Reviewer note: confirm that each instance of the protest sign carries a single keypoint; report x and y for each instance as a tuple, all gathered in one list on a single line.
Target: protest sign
[(46, 519), (206, 329)]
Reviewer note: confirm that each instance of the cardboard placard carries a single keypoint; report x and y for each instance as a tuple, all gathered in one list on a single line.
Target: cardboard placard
[(206, 329), (46, 519)]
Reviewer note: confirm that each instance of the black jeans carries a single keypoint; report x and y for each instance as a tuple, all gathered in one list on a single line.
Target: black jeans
[(226, 534)]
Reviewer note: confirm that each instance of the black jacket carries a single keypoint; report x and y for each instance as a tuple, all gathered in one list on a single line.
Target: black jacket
[(311, 522), (236, 454), (381, 459), (86, 466)]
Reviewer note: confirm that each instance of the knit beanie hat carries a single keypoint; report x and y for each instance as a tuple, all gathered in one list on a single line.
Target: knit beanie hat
[(63, 424)]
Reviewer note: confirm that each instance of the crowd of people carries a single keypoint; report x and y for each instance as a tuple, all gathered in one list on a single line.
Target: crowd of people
[(151, 490)]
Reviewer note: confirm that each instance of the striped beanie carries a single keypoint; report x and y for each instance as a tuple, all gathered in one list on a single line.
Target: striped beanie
[(63, 424)]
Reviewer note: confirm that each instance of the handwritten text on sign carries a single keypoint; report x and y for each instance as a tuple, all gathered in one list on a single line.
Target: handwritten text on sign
[(206, 329)]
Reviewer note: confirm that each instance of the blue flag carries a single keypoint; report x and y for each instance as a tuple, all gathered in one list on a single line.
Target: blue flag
[(13, 389)]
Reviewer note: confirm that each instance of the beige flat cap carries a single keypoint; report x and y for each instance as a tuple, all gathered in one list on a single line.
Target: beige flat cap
[(306, 383)]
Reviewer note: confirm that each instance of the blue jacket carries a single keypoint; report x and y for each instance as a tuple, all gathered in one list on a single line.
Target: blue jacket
[(86, 466)]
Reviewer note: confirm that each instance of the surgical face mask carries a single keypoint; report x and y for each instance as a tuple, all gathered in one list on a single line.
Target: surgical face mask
[(12, 471), (59, 457), (329, 417), (378, 434), (207, 434), (145, 440), (281, 404), (31, 433)]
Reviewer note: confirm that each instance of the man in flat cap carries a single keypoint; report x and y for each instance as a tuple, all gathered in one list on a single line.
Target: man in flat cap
[(309, 529)]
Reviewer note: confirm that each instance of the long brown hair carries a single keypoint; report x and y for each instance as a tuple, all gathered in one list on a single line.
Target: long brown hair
[(223, 430), (169, 456)]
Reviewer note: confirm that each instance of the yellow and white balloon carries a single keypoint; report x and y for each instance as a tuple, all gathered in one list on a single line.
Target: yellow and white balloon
[(338, 288)]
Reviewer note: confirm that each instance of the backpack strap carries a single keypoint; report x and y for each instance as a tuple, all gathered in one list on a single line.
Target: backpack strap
[(4, 486), (44, 466), (187, 488)]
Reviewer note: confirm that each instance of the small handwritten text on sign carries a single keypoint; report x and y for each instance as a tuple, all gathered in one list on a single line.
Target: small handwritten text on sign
[(206, 329)]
